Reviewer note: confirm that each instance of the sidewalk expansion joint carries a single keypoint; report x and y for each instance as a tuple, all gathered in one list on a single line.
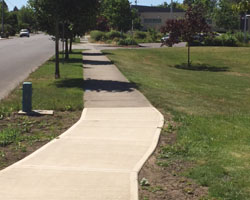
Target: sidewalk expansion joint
[(81, 169)]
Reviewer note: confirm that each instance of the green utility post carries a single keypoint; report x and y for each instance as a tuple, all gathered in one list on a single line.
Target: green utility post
[(27, 97)]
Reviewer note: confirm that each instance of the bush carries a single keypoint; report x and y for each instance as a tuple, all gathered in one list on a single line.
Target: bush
[(127, 41), (114, 34), (196, 43), (240, 36), (153, 34), (229, 40), (97, 35), (223, 40), (140, 35)]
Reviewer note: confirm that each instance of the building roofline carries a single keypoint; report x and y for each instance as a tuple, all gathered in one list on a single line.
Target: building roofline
[(142, 9)]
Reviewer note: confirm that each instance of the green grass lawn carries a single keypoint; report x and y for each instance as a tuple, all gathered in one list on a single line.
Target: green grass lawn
[(21, 135), (210, 101)]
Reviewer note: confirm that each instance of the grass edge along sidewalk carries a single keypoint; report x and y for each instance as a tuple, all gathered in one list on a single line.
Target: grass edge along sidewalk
[(209, 104), (22, 135)]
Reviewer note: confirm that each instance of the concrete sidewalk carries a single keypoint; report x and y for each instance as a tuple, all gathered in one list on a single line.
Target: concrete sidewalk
[(100, 156)]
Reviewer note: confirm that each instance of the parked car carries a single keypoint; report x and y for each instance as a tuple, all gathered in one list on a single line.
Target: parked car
[(24, 33), (164, 38)]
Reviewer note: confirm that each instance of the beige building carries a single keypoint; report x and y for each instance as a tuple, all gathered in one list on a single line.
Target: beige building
[(155, 17)]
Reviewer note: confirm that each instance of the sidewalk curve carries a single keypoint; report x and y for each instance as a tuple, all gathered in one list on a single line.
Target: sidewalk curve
[(100, 156)]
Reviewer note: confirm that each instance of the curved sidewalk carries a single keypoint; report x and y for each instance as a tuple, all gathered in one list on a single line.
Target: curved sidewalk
[(100, 156)]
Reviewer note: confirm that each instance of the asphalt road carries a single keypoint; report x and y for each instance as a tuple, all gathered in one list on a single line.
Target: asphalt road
[(19, 57)]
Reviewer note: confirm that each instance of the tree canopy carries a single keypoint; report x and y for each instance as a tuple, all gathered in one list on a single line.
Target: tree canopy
[(69, 16), (118, 14)]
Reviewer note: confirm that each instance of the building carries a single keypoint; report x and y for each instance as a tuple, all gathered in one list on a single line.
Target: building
[(155, 17)]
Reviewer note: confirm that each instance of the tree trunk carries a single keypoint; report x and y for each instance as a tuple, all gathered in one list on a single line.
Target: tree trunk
[(57, 70), (189, 64), (66, 49), (70, 44)]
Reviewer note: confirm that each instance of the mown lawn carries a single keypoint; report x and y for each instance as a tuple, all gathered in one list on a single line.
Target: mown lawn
[(211, 104), (21, 135)]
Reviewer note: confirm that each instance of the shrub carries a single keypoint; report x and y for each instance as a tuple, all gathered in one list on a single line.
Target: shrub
[(114, 34), (223, 40), (240, 36), (140, 35), (97, 35), (213, 41), (229, 40), (196, 43), (153, 34), (127, 41)]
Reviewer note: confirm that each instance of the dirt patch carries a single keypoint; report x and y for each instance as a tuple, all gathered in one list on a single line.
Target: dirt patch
[(33, 132), (237, 74), (166, 180)]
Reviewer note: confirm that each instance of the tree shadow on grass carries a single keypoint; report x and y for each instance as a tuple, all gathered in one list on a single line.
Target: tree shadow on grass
[(69, 61), (70, 83), (201, 67), (76, 53), (97, 85)]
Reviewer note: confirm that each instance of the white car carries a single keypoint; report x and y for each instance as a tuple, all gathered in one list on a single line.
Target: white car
[(24, 33), (164, 38)]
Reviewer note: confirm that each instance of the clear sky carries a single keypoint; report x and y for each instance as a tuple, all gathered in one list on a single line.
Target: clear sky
[(20, 3)]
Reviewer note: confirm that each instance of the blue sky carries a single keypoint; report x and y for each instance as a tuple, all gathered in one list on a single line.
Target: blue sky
[(20, 3)]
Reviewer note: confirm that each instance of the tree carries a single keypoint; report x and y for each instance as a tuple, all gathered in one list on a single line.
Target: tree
[(188, 28), (4, 11), (136, 19), (27, 19), (13, 22), (118, 14), (175, 5), (102, 24), (243, 6), (48, 15), (73, 15), (225, 17)]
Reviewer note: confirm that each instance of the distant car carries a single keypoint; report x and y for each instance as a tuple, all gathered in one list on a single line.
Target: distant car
[(164, 39), (24, 33)]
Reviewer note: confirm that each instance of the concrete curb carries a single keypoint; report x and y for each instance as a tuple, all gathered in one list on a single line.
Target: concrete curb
[(134, 175)]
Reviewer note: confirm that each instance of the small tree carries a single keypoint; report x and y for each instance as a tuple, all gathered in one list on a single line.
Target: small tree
[(194, 24)]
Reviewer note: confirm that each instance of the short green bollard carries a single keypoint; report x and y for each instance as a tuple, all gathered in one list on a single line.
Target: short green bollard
[(27, 97)]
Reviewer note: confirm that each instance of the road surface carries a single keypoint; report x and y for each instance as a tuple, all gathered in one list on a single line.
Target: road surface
[(19, 57)]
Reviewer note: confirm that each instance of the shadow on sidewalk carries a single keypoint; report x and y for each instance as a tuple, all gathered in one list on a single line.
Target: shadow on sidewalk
[(92, 54), (108, 85), (95, 62), (97, 85)]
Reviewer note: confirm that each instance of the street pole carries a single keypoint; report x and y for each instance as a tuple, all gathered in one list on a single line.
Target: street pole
[(171, 9), (245, 27), (2, 18), (63, 46)]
